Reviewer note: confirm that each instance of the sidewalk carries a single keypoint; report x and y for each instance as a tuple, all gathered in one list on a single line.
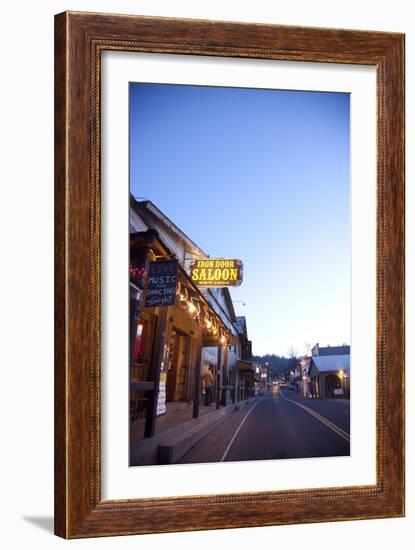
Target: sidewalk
[(177, 413), (176, 432)]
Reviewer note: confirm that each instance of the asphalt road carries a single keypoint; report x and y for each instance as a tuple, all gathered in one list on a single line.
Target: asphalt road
[(278, 427)]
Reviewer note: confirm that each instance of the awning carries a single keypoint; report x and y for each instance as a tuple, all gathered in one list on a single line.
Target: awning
[(189, 296), (245, 365)]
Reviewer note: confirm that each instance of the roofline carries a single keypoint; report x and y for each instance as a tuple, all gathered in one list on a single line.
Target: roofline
[(153, 209), (229, 302), (328, 356)]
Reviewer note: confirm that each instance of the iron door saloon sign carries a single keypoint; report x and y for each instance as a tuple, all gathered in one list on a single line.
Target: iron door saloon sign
[(216, 272), (162, 283)]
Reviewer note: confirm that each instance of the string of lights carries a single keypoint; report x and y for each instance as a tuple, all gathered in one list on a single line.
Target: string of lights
[(197, 312)]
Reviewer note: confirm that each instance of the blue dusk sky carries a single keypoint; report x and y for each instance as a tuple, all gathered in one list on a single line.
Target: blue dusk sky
[(263, 176)]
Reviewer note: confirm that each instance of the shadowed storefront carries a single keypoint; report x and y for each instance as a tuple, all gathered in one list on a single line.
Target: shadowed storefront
[(178, 333)]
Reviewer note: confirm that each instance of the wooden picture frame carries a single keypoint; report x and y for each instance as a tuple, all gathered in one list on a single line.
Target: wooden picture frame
[(79, 40)]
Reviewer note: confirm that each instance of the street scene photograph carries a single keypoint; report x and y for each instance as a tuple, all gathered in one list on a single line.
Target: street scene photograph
[(239, 274)]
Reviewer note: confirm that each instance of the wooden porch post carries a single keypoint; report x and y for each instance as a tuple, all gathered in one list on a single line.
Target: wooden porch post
[(198, 368), (218, 377), (234, 376), (135, 301), (156, 364), (322, 392), (225, 378)]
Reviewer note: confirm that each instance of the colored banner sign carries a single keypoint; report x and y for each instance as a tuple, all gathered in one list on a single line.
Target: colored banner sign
[(217, 272), (161, 286)]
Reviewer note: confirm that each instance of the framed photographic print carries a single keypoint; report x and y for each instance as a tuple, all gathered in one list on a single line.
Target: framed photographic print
[(229, 276)]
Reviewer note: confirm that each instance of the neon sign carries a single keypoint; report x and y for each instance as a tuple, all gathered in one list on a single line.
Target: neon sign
[(219, 272)]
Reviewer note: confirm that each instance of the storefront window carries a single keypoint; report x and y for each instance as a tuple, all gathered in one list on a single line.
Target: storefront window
[(138, 262), (138, 351)]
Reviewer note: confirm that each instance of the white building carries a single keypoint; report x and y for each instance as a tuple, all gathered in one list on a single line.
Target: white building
[(329, 376)]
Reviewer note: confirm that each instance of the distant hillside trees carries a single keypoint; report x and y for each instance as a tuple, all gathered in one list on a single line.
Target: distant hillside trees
[(279, 365)]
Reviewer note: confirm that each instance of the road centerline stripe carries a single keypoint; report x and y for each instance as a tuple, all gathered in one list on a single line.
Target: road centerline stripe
[(321, 419), (238, 429)]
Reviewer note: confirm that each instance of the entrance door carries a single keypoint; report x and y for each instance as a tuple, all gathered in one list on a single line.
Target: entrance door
[(333, 386), (142, 345), (177, 368)]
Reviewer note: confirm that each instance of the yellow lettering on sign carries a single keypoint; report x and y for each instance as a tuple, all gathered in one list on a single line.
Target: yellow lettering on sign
[(224, 263), (216, 272), (205, 263)]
